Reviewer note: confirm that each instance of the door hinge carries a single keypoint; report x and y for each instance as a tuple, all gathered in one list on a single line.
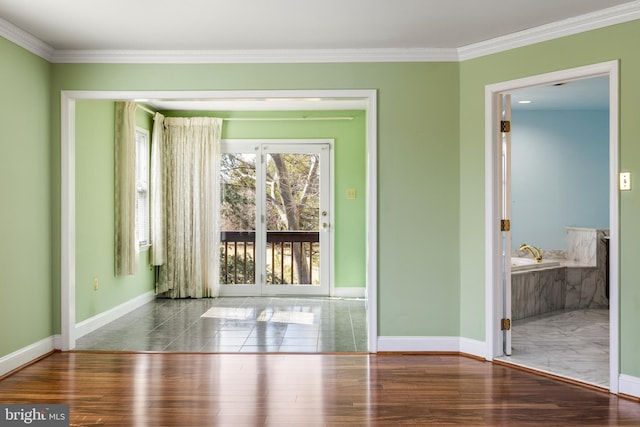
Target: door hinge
[(505, 126), (505, 225), (505, 324)]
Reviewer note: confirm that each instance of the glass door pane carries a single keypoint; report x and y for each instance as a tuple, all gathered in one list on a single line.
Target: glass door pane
[(292, 209), (238, 219)]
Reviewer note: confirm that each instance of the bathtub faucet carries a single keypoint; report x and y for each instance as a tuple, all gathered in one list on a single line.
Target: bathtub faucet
[(535, 252)]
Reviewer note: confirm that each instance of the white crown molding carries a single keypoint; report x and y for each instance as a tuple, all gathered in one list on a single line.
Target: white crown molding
[(579, 24), (591, 21), (25, 40), (266, 56)]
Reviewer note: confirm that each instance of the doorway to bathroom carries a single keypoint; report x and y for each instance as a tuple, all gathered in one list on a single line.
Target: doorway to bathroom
[(552, 224)]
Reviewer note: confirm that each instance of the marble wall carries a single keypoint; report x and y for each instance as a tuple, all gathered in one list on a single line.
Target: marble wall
[(580, 281), (582, 245), (587, 273)]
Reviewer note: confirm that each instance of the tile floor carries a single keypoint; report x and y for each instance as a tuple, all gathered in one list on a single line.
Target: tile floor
[(573, 344), (237, 324)]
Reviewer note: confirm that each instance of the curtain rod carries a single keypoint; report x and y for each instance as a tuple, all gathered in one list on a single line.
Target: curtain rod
[(263, 119), (145, 109), (268, 119)]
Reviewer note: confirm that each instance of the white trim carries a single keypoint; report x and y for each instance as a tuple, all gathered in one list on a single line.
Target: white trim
[(99, 320), (629, 385), (579, 24), (351, 292), (431, 344), (67, 191), (57, 341), (68, 221), (26, 40), (26, 354), (493, 294), (587, 22), (418, 343), (614, 224), (371, 291), (473, 347), (265, 56)]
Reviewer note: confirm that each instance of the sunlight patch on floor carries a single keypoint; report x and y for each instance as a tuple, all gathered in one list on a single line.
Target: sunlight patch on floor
[(234, 313), (299, 317)]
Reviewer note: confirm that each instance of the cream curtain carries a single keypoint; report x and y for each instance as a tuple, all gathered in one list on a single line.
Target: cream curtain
[(190, 157), (126, 250), (156, 200)]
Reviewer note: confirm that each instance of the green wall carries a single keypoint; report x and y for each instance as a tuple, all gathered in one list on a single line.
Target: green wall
[(349, 169), (418, 268), (95, 206), (25, 201), (617, 42)]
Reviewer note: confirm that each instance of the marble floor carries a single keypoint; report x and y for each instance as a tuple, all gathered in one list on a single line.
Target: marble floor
[(237, 324), (572, 344)]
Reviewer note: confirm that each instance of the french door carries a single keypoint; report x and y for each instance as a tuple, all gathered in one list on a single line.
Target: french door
[(275, 217)]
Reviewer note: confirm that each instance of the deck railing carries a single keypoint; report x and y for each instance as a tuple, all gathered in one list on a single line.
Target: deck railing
[(238, 254)]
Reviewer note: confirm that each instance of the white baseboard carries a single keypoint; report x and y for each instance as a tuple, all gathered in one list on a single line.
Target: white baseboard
[(432, 344), (473, 347), (26, 354), (629, 385), (100, 320), (348, 292)]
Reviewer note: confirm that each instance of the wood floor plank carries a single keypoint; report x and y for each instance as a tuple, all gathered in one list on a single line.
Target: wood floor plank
[(171, 389)]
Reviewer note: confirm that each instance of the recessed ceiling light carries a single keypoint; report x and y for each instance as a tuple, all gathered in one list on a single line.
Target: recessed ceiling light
[(525, 101)]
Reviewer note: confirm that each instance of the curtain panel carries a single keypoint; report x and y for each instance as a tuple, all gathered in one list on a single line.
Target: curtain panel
[(126, 245), (156, 200), (188, 162)]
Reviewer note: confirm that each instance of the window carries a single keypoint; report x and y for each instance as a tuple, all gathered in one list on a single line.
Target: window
[(142, 187)]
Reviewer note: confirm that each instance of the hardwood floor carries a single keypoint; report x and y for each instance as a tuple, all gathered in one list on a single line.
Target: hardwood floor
[(187, 389)]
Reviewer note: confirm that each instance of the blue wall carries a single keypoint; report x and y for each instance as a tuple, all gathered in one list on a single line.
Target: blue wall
[(559, 174)]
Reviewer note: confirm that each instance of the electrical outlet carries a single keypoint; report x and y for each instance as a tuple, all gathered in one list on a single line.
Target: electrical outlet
[(625, 181), (95, 284)]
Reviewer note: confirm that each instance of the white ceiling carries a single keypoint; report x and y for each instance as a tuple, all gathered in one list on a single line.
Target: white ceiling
[(151, 25)]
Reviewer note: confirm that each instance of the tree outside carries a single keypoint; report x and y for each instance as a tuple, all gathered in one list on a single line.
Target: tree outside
[(293, 197)]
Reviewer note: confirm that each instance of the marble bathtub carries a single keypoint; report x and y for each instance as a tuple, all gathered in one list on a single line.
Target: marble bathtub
[(537, 290), (526, 264), (566, 279)]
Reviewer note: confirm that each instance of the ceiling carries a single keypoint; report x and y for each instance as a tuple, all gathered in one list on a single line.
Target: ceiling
[(152, 25)]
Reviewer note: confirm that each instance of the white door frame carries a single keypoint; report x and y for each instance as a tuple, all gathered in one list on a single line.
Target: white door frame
[(493, 294), (367, 98)]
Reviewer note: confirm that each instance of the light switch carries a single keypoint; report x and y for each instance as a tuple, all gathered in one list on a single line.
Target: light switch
[(625, 181), (351, 193)]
